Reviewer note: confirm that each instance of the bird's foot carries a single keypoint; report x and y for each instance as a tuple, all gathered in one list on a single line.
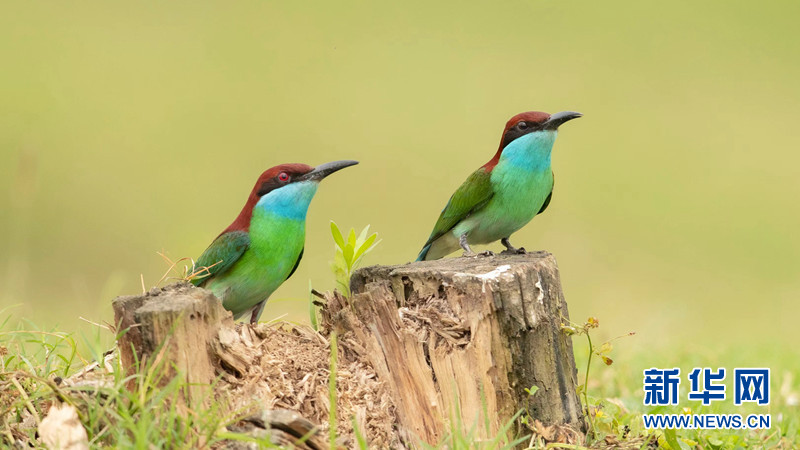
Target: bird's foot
[(471, 254), (510, 249)]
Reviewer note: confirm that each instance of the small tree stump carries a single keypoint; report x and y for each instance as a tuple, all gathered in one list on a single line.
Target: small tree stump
[(174, 326), (462, 338)]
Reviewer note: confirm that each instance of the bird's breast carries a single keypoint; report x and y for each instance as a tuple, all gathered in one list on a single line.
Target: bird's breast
[(518, 197), (275, 244), (276, 241)]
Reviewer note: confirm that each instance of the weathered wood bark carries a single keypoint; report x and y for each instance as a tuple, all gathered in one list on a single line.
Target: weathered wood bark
[(466, 337), (172, 326)]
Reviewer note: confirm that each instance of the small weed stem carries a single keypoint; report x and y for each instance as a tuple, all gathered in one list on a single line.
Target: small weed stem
[(590, 435)]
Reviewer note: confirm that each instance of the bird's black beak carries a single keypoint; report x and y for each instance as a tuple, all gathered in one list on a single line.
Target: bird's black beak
[(558, 118), (323, 170)]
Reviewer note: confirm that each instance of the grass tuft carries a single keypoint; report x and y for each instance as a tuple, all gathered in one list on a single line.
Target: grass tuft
[(42, 368)]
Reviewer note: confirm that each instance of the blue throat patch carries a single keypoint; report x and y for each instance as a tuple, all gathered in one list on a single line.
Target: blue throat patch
[(290, 201), (531, 151)]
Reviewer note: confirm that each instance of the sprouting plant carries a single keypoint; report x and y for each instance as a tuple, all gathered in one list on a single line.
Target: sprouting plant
[(574, 329), (346, 259), (349, 253), (526, 418)]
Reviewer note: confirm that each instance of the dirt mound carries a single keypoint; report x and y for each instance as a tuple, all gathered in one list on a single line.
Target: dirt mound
[(284, 366)]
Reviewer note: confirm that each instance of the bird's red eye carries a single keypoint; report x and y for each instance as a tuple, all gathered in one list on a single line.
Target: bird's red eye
[(283, 176)]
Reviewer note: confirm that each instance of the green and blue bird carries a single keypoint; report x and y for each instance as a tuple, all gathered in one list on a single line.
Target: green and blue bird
[(505, 193), (262, 248)]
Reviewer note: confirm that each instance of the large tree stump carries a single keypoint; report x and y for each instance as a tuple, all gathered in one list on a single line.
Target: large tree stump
[(464, 337)]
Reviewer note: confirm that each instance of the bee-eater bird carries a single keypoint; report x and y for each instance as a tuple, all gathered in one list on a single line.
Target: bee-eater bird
[(505, 193), (262, 247)]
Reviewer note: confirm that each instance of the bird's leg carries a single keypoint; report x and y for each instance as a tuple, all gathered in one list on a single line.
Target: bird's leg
[(462, 241), (257, 312), (510, 249)]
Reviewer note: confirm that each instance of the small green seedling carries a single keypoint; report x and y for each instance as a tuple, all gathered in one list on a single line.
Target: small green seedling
[(349, 253), (346, 259)]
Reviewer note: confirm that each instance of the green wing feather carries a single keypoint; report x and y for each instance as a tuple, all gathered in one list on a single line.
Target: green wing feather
[(470, 197), (220, 256), (296, 263), (549, 197), (546, 203)]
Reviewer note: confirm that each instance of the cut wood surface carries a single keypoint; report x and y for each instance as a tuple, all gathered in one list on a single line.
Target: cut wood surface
[(464, 336)]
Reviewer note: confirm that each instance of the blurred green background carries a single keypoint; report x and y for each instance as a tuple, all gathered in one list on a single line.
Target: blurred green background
[(130, 129)]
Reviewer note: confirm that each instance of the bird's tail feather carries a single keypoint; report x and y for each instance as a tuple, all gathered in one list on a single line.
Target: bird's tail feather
[(424, 252)]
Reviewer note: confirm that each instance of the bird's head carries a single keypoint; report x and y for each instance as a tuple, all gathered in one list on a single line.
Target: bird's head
[(534, 122), (285, 190), (537, 127), (284, 175)]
